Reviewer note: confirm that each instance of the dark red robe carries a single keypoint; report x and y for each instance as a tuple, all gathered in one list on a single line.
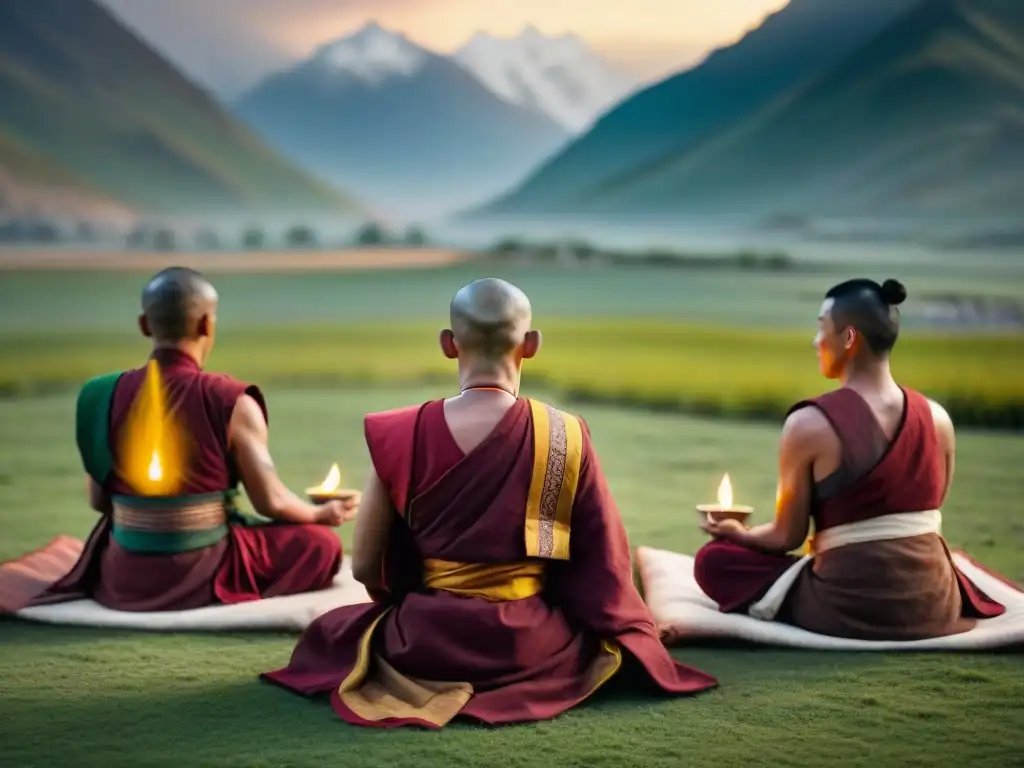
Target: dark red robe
[(898, 589), (249, 564), (523, 659)]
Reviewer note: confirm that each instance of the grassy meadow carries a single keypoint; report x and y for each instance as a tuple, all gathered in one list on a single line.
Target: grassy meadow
[(131, 699), (703, 341), (329, 347)]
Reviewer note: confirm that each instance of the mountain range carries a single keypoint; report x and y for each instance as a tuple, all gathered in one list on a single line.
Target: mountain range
[(422, 133), (94, 120), (829, 108), (559, 76)]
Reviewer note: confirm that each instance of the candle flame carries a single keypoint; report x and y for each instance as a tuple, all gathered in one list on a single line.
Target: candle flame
[(725, 493), (332, 481), (156, 469), (152, 455)]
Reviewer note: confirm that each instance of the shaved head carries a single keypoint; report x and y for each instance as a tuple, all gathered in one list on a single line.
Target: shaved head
[(490, 319), (175, 302)]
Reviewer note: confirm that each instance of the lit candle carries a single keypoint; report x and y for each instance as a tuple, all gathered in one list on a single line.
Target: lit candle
[(328, 488), (725, 509), (332, 481)]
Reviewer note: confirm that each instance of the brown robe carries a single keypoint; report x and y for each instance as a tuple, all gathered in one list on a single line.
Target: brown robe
[(899, 589)]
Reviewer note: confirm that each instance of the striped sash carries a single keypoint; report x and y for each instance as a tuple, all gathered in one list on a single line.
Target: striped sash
[(170, 524)]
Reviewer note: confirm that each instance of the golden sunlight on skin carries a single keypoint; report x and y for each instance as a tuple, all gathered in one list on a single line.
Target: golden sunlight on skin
[(647, 36), (154, 447)]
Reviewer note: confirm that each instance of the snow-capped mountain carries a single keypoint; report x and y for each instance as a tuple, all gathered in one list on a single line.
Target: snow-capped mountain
[(372, 54), (409, 130), (559, 76)]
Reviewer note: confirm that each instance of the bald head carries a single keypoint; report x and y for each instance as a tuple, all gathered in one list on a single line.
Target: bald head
[(490, 319), (175, 302)]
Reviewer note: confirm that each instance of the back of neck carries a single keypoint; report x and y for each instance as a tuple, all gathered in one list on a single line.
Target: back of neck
[(177, 350), (873, 378)]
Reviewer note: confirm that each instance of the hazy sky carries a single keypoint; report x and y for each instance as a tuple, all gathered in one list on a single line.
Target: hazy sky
[(229, 44)]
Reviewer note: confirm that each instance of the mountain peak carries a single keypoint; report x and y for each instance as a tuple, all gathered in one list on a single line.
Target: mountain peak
[(558, 75), (372, 53), (530, 32)]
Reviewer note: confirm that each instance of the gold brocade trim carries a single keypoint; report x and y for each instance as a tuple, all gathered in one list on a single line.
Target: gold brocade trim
[(607, 663), (374, 690), (496, 582), (174, 517), (558, 455)]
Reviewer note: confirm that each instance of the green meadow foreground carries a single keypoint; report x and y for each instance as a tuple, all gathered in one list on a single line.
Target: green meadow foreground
[(328, 347), (119, 698)]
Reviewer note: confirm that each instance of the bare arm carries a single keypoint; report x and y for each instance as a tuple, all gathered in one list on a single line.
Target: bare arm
[(370, 538), (946, 436), (98, 498), (248, 437), (797, 452)]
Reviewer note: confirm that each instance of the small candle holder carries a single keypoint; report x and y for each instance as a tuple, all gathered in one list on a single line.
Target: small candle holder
[(321, 496), (328, 490), (725, 509), (716, 513)]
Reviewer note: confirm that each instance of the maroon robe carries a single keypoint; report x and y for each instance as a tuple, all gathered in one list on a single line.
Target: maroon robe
[(899, 589), (248, 564), (521, 659)]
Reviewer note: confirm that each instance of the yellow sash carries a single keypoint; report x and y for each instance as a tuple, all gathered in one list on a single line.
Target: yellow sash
[(496, 582)]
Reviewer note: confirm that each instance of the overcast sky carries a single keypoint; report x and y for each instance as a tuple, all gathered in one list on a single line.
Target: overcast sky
[(229, 44)]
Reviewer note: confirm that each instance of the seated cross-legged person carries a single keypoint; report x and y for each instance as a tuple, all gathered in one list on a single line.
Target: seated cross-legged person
[(193, 549), (499, 566), (869, 464)]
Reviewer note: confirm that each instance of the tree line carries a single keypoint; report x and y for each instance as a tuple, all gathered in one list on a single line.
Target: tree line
[(167, 238)]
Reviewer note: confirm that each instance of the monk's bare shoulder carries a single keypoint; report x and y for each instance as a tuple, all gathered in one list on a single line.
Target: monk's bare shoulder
[(807, 422), (247, 409), (943, 425), (247, 417), (806, 430)]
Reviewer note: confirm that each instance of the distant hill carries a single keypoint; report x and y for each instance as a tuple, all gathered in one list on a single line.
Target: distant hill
[(82, 91), (32, 186), (411, 130), (682, 113), (560, 76), (925, 120)]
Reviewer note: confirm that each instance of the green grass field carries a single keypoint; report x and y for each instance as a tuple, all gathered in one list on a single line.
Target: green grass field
[(90, 697), (703, 341), (330, 347)]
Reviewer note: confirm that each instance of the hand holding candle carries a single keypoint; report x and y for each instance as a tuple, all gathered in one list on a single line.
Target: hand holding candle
[(725, 509)]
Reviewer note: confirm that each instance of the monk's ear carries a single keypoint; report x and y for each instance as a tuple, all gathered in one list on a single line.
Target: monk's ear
[(531, 344), (204, 327), (850, 338), (144, 327), (447, 340)]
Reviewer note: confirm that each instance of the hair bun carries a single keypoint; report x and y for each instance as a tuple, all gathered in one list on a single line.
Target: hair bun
[(893, 292)]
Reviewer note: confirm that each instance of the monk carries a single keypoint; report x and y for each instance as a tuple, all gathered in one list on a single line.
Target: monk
[(869, 464), (194, 549), (492, 548)]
